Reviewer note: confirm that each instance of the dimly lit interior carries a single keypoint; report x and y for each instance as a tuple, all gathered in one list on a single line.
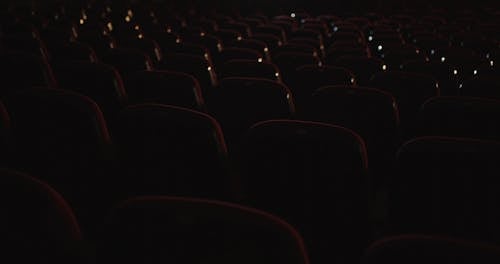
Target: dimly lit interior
[(252, 131)]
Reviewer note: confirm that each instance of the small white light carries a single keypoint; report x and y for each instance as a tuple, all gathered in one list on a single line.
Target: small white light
[(209, 68), (177, 40), (335, 29), (266, 49), (202, 34), (205, 55), (277, 74), (136, 27), (259, 59), (353, 80), (370, 38), (443, 59), (379, 47), (292, 15), (110, 26), (127, 19), (82, 21), (417, 51), (487, 55), (130, 13), (455, 72), (433, 52), (169, 30), (288, 96), (492, 63), (475, 72), (460, 86), (219, 47), (384, 67), (140, 36), (239, 38)]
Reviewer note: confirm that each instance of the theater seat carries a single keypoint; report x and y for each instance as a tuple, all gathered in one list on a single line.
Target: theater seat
[(37, 224), (186, 230)]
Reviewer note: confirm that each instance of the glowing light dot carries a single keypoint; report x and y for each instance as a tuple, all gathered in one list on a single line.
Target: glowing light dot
[(140, 36), (292, 15), (82, 21), (209, 68), (202, 34), (136, 27), (433, 52), (455, 72), (475, 72), (370, 38), (384, 67), (277, 74), (379, 47), (130, 13), (266, 49), (110, 26), (443, 59), (239, 38), (352, 80), (127, 19), (491, 63), (260, 60), (177, 40)]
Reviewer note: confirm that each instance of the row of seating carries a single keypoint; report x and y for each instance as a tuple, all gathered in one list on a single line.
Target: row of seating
[(42, 227), (294, 169)]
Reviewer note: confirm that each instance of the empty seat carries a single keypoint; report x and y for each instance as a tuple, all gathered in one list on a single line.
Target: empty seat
[(197, 66), (99, 81), (166, 87), (486, 86), (168, 150), (419, 249), (186, 230), (446, 76), (288, 62), (72, 51), (62, 138), (37, 223), (309, 78), (255, 45), (23, 70), (460, 117), (371, 113), (362, 67), (411, 90), (144, 44), (314, 175), (128, 61), (238, 103), (446, 186)]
